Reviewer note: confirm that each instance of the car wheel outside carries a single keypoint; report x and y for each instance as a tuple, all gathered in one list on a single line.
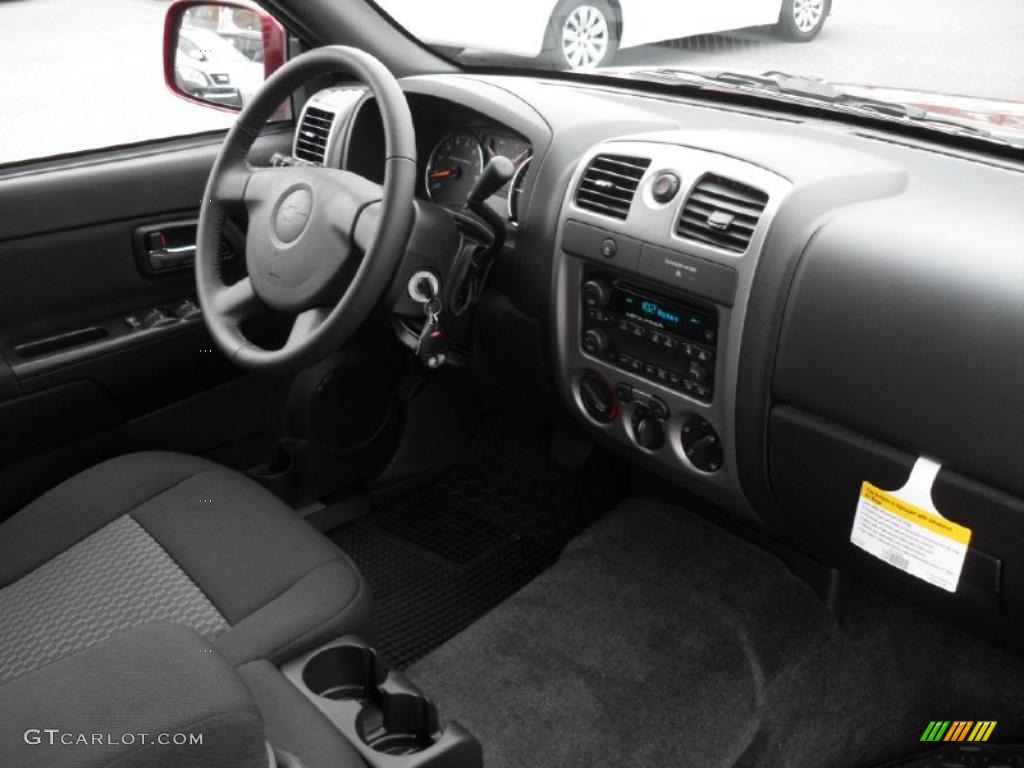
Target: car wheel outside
[(802, 20), (582, 34)]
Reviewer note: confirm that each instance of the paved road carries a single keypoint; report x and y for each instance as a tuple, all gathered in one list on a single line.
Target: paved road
[(78, 74), (962, 47)]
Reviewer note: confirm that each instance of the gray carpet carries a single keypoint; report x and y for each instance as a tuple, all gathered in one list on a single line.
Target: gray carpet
[(660, 640)]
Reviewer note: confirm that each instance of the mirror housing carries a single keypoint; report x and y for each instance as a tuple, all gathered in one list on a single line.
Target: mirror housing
[(247, 54)]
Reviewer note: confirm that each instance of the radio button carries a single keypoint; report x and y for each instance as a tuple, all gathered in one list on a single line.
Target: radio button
[(594, 243), (698, 372)]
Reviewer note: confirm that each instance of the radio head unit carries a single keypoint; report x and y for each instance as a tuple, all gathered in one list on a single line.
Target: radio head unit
[(670, 341)]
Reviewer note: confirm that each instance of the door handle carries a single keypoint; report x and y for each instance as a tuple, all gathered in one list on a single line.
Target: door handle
[(171, 245), (161, 259)]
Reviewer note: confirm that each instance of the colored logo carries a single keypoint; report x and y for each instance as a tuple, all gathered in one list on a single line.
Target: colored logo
[(958, 730)]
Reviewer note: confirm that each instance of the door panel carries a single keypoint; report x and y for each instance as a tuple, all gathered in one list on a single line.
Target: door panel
[(74, 374)]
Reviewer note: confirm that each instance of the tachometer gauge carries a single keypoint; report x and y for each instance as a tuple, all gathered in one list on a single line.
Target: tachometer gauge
[(453, 168)]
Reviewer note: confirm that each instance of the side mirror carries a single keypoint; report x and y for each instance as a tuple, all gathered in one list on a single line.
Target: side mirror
[(219, 52)]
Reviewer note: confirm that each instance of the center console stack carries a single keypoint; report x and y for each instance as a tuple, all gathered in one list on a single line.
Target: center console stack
[(657, 247)]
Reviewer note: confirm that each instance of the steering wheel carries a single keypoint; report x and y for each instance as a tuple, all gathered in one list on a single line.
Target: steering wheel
[(322, 244)]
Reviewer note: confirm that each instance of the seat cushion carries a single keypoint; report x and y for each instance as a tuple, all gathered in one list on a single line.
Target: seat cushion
[(165, 537), (159, 680)]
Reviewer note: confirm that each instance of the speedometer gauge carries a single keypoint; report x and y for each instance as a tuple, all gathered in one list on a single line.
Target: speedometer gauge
[(453, 168)]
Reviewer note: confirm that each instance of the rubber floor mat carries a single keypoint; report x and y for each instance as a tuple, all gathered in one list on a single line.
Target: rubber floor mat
[(439, 561)]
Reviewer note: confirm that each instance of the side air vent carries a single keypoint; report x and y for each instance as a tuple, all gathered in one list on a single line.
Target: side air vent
[(313, 135), (609, 184), (722, 212)]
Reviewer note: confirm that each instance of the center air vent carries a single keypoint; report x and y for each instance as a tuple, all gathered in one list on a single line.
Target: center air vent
[(313, 135), (722, 212), (609, 184)]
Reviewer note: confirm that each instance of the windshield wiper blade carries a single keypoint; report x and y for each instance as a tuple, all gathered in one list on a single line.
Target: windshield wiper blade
[(774, 83)]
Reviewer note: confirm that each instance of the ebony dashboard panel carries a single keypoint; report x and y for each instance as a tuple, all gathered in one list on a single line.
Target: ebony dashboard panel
[(458, 130), (770, 311), (765, 309)]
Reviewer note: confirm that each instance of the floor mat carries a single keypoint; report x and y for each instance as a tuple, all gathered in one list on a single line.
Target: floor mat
[(658, 639), (438, 562)]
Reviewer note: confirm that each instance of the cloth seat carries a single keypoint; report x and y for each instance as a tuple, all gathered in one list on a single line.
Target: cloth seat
[(152, 537)]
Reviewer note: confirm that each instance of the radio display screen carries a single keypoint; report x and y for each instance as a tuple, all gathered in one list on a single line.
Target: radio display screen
[(657, 313)]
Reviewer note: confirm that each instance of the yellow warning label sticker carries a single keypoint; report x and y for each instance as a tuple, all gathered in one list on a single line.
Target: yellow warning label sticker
[(919, 542)]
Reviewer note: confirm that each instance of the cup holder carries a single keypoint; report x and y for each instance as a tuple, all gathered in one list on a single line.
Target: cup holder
[(399, 720), (344, 672), (382, 709)]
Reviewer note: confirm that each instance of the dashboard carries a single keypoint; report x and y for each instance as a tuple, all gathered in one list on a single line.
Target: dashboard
[(341, 127), (765, 309)]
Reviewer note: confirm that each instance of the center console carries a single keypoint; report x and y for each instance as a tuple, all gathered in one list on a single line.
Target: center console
[(386, 719), (657, 247)]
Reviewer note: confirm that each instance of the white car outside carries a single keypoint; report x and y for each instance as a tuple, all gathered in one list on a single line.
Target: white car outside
[(583, 34), (215, 57)]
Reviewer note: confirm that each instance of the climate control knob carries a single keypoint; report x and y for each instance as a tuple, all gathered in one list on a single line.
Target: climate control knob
[(595, 342), (648, 431), (702, 445), (598, 398), (596, 294)]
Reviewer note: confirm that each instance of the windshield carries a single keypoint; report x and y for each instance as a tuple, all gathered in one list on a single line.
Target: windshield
[(954, 63)]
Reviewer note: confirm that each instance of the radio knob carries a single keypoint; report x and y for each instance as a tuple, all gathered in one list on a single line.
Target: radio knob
[(596, 294), (595, 342)]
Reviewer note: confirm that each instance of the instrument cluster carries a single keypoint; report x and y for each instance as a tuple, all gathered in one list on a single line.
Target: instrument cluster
[(458, 159)]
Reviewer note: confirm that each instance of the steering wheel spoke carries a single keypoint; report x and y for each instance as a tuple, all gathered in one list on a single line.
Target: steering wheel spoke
[(238, 301), (367, 225), (305, 325)]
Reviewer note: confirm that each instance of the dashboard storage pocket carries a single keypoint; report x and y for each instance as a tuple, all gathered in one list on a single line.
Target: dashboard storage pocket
[(385, 717), (816, 471)]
